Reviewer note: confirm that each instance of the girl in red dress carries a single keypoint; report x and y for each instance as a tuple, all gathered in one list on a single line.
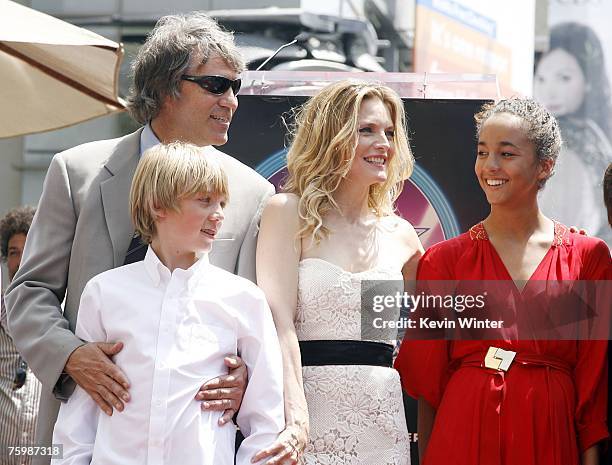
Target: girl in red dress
[(549, 407)]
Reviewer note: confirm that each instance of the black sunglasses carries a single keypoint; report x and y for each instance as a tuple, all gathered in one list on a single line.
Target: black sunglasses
[(217, 85)]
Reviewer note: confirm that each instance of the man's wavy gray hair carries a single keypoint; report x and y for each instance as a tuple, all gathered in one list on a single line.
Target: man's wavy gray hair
[(168, 52)]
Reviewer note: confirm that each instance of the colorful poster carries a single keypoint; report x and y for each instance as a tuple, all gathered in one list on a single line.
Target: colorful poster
[(441, 199), (466, 36), (572, 81)]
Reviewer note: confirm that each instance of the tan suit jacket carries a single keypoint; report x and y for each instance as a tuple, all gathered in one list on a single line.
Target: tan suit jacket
[(82, 227)]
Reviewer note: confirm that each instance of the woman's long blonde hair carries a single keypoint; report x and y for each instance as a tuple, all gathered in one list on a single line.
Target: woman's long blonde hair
[(323, 147)]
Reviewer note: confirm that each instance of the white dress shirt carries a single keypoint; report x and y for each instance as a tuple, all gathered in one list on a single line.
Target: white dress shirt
[(148, 139), (176, 329)]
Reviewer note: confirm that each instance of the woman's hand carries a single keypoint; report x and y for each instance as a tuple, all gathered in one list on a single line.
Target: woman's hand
[(287, 449)]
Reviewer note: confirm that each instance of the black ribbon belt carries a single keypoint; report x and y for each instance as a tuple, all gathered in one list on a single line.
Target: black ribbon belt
[(335, 352)]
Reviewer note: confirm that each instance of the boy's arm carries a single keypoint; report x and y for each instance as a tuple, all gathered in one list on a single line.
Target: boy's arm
[(261, 417), (75, 429), (77, 421)]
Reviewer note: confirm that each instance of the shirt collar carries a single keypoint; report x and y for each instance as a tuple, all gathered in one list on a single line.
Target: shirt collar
[(159, 273), (148, 139)]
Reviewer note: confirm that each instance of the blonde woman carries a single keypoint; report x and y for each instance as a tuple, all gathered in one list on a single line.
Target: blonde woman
[(333, 227)]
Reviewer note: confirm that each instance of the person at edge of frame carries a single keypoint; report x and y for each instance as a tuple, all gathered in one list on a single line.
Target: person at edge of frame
[(607, 192), (19, 388)]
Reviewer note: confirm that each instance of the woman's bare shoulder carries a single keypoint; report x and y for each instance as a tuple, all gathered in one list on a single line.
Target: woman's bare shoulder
[(284, 199), (404, 235), (400, 226), (284, 203)]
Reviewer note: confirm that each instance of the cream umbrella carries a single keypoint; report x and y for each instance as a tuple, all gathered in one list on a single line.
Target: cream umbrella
[(53, 74)]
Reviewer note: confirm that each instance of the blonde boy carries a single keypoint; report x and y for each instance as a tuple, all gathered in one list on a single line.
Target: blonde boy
[(178, 316)]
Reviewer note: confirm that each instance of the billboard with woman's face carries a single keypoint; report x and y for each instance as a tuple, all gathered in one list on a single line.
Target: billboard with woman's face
[(571, 80)]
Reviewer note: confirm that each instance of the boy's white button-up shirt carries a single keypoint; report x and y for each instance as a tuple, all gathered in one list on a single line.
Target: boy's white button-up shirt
[(176, 329)]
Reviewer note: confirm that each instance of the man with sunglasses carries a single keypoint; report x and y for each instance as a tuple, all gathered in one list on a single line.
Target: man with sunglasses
[(19, 388), (185, 80)]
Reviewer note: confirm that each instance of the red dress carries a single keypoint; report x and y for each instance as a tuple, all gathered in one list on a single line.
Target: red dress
[(529, 415)]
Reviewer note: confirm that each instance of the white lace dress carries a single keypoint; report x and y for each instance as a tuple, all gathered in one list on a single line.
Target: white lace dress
[(356, 411)]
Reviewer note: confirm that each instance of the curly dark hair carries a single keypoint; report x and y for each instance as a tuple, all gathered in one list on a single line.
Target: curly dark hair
[(16, 221), (540, 125)]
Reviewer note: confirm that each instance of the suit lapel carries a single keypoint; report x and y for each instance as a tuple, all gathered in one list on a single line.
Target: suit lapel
[(115, 192)]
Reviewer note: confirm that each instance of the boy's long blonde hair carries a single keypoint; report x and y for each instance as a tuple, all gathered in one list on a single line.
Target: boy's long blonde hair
[(168, 173), (323, 147)]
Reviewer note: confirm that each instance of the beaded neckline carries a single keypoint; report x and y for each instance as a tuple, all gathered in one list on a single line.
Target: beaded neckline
[(479, 233)]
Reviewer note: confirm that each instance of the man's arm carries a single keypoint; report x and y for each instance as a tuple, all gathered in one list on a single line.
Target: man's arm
[(37, 324), (246, 258), (33, 299)]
